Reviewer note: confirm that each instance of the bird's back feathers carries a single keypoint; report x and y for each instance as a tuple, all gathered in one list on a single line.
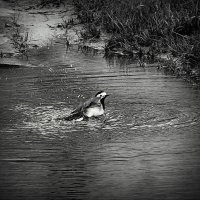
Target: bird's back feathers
[(79, 112)]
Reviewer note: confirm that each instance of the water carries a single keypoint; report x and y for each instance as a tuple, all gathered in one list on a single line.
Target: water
[(147, 148)]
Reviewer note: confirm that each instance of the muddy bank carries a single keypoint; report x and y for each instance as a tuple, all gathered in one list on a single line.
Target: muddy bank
[(27, 25)]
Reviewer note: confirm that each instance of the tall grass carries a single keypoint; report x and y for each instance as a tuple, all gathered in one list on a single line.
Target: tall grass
[(164, 25)]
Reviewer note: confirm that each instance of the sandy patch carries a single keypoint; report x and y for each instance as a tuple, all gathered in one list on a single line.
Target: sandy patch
[(42, 25)]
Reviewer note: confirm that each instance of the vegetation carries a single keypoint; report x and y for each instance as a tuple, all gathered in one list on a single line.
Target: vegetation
[(164, 26), (47, 3), (18, 39)]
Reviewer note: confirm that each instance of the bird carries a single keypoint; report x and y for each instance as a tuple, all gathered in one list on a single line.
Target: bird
[(93, 107)]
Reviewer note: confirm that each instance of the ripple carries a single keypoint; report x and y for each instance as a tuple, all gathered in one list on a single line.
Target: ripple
[(150, 133)]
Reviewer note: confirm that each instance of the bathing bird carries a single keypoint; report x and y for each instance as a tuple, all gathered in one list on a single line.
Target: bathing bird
[(93, 107)]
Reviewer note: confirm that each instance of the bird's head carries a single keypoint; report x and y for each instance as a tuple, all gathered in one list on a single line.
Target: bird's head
[(101, 95)]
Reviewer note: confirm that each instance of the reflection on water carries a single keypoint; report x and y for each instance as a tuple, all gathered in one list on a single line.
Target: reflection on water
[(147, 148)]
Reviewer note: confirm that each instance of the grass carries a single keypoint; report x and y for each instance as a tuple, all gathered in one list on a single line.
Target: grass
[(164, 26), (19, 40)]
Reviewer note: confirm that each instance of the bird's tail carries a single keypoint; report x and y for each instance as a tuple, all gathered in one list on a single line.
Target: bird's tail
[(73, 116)]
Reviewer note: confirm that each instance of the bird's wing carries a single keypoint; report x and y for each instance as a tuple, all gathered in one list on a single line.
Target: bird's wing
[(86, 104), (95, 101), (79, 111)]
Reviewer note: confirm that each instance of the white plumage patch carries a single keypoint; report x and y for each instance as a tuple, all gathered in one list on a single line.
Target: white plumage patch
[(79, 119), (103, 94), (94, 112)]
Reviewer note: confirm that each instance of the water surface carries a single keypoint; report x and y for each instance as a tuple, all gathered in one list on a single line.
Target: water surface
[(147, 148)]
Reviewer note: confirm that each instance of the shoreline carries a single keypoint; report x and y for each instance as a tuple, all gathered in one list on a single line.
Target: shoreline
[(25, 26), (160, 31)]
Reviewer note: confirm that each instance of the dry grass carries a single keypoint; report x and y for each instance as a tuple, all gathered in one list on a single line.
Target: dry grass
[(19, 39)]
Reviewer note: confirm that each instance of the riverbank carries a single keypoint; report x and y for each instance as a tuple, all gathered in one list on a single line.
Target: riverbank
[(160, 33), (148, 30), (32, 24)]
